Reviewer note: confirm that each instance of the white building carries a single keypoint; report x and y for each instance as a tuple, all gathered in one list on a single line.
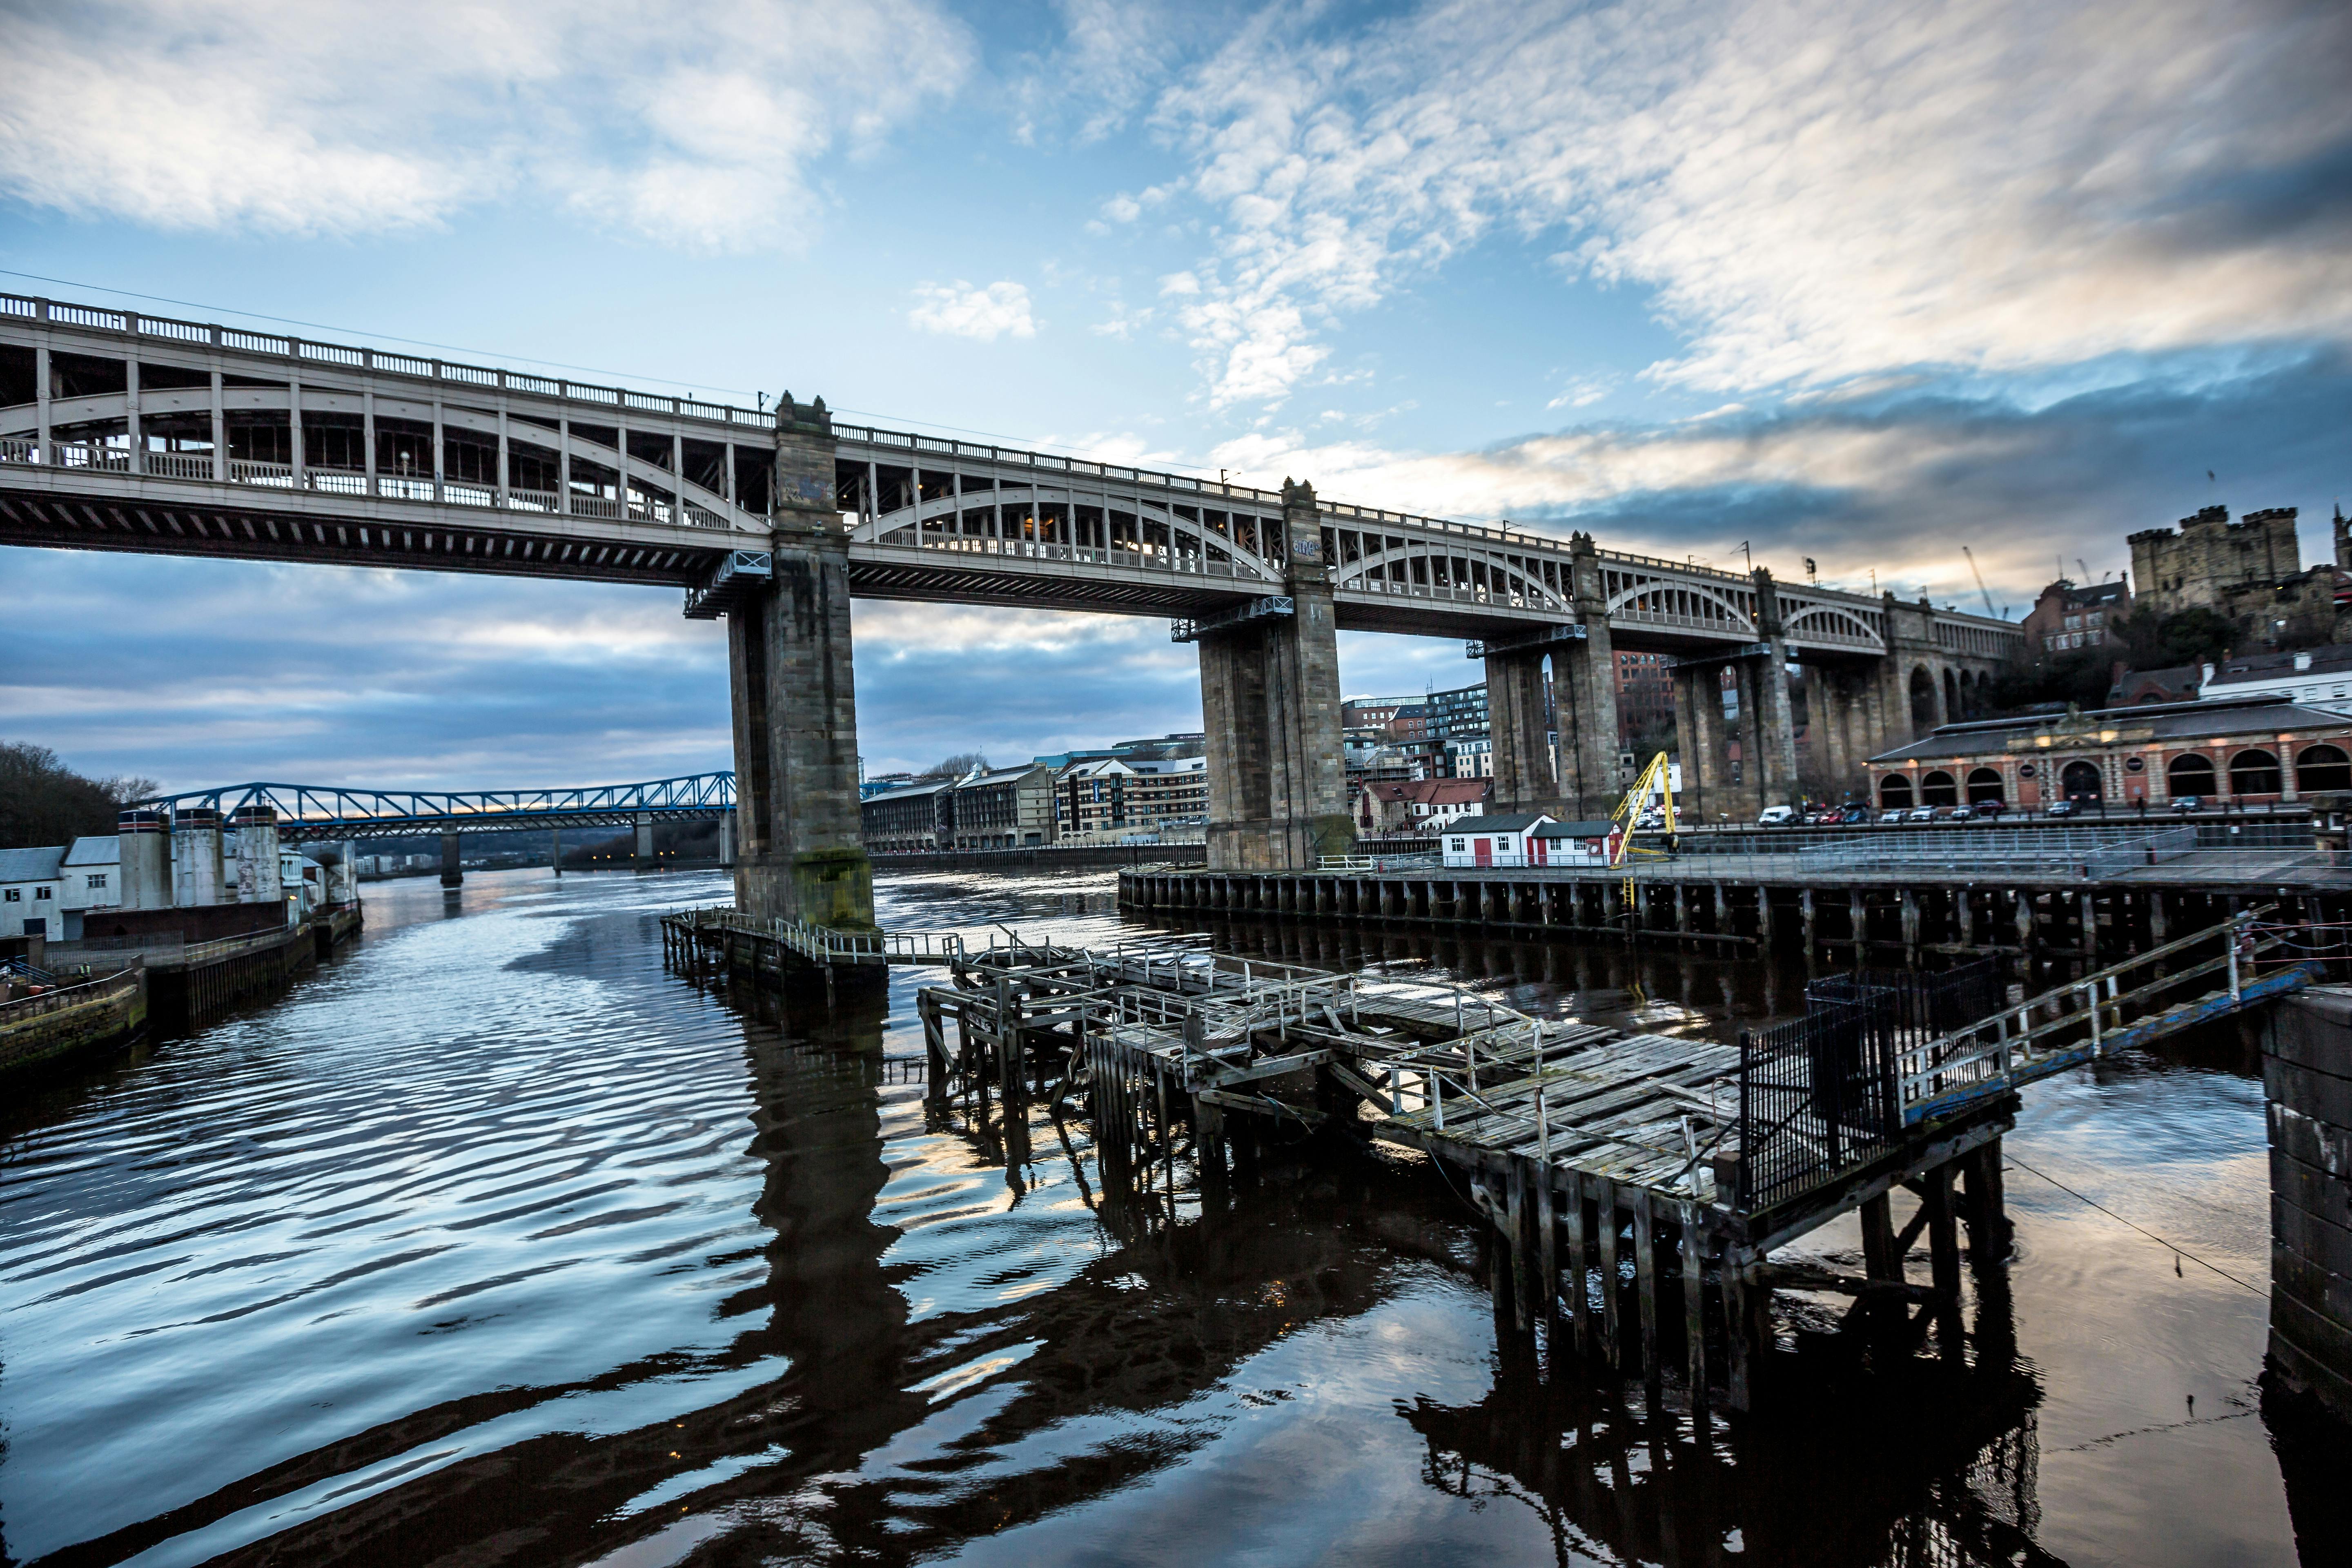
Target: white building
[(30, 881), (1528, 840), (2317, 677)]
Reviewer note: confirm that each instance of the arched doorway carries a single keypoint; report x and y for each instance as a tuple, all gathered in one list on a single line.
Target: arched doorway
[(2322, 767), (1939, 788), (1923, 699), (2081, 780), (1893, 791), (2254, 772), (2191, 773), (1985, 785)]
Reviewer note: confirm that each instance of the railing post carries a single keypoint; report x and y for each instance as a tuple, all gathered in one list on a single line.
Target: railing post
[(2231, 937)]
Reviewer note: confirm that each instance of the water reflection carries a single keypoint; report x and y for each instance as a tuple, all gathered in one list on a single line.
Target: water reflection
[(495, 1244)]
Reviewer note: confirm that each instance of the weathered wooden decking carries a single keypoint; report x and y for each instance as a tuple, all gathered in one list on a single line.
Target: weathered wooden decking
[(1638, 1183)]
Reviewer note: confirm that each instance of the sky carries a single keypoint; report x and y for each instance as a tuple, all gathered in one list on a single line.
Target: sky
[(1856, 281)]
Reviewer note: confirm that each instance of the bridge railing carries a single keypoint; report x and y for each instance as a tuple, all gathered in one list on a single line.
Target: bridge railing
[(2211, 973), (380, 362), (99, 456)]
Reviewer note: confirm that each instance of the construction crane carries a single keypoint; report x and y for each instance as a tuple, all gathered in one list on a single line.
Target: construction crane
[(1979, 577), (1654, 788)]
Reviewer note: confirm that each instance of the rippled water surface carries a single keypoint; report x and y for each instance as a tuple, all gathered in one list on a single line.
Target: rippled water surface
[(494, 1243)]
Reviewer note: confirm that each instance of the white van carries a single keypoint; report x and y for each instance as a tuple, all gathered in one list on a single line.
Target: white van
[(1777, 816)]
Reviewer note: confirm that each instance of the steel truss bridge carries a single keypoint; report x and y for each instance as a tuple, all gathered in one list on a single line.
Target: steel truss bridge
[(306, 813), (124, 431)]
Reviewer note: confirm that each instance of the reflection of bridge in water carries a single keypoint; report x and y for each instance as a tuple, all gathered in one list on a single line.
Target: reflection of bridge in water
[(120, 431), (893, 1436)]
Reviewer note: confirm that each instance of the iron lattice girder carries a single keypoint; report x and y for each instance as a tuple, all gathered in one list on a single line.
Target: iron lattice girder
[(1724, 655), (307, 811), (1544, 637), (1255, 610)]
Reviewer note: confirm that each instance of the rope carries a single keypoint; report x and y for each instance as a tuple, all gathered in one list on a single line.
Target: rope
[(2177, 1251)]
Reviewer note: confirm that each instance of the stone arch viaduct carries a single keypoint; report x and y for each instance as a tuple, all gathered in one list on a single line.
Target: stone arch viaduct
[(121, 431)]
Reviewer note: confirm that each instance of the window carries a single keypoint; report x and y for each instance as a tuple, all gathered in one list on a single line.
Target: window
[(2073, 622), (16, 895), (40, 893), (95, 879)]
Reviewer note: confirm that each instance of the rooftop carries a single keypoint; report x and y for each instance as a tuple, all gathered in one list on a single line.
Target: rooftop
[(2156, 721), (2332, 660), (31, 865)]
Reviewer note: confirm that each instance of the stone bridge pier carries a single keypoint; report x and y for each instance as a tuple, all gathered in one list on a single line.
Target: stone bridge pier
[(1578, 778), (1270, 707), (799, 854)]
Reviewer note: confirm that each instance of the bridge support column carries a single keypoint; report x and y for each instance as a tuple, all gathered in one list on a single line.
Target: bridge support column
[(640, 858), (1270, 704), (1698, 738), (453, 874), (800, 856), (1769, 719), (726, 840), (1584, 696), (1519, 725)]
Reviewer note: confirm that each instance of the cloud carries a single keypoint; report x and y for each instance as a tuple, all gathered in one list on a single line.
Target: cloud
[(341, 118), (960, 311), (1808, 189), (1894, 483)]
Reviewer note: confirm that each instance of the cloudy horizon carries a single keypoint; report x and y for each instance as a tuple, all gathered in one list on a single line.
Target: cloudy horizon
[(1857, 283)]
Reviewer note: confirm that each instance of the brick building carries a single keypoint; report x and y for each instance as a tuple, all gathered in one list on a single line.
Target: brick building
[(2235, 751), (2067, 616), (1645, 695), (1130, 795)]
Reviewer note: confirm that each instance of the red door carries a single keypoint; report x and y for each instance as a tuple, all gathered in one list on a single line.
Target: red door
[(1485, 849)]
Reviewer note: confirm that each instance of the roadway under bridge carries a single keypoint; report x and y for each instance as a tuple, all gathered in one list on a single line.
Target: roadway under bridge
[(121, 431)]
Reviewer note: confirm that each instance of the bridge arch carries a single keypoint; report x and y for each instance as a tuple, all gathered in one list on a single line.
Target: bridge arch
[(1680, 602), (1020, 509), (1410, 565), (1830, 622)]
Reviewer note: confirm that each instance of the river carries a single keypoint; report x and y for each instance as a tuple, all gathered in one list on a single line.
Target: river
[(494, 1243)]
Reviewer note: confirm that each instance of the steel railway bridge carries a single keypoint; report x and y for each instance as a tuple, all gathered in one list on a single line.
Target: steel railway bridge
[(122, 431), (310, 814)]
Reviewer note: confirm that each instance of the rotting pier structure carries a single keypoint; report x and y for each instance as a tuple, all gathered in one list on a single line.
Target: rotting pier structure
[(1635, 1185)]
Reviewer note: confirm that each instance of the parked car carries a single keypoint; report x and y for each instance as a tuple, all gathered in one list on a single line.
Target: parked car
[(2059, 808), (2187, 803), (1777, 816), (1893, 813), (1853, 813), (1959, 814), (1920, 814), (1990, 808)]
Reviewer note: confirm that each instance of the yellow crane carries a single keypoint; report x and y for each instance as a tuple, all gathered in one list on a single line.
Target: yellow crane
[(1656, 786)]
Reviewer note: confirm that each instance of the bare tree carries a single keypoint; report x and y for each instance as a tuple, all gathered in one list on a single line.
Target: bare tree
[(955, 767)]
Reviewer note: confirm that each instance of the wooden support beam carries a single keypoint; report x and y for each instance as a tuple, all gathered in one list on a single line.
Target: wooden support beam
[(1693, 1306), (1546, 1261), (1944, 1256), (1515, 1230), (1645, 1285), (1579, 1300), (1881, 1258), (1605, 1197)]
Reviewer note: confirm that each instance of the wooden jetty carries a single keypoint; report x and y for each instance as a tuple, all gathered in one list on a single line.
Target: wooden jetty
[(1637, 1185)]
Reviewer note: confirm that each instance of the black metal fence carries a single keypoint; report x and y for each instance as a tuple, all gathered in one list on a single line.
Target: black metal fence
[(1818, 1095)]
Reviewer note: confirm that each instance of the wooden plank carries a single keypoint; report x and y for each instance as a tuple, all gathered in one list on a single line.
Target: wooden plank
[(1579, 1302), (1645, 1287), (1693, 1306), (1604, 1196)]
